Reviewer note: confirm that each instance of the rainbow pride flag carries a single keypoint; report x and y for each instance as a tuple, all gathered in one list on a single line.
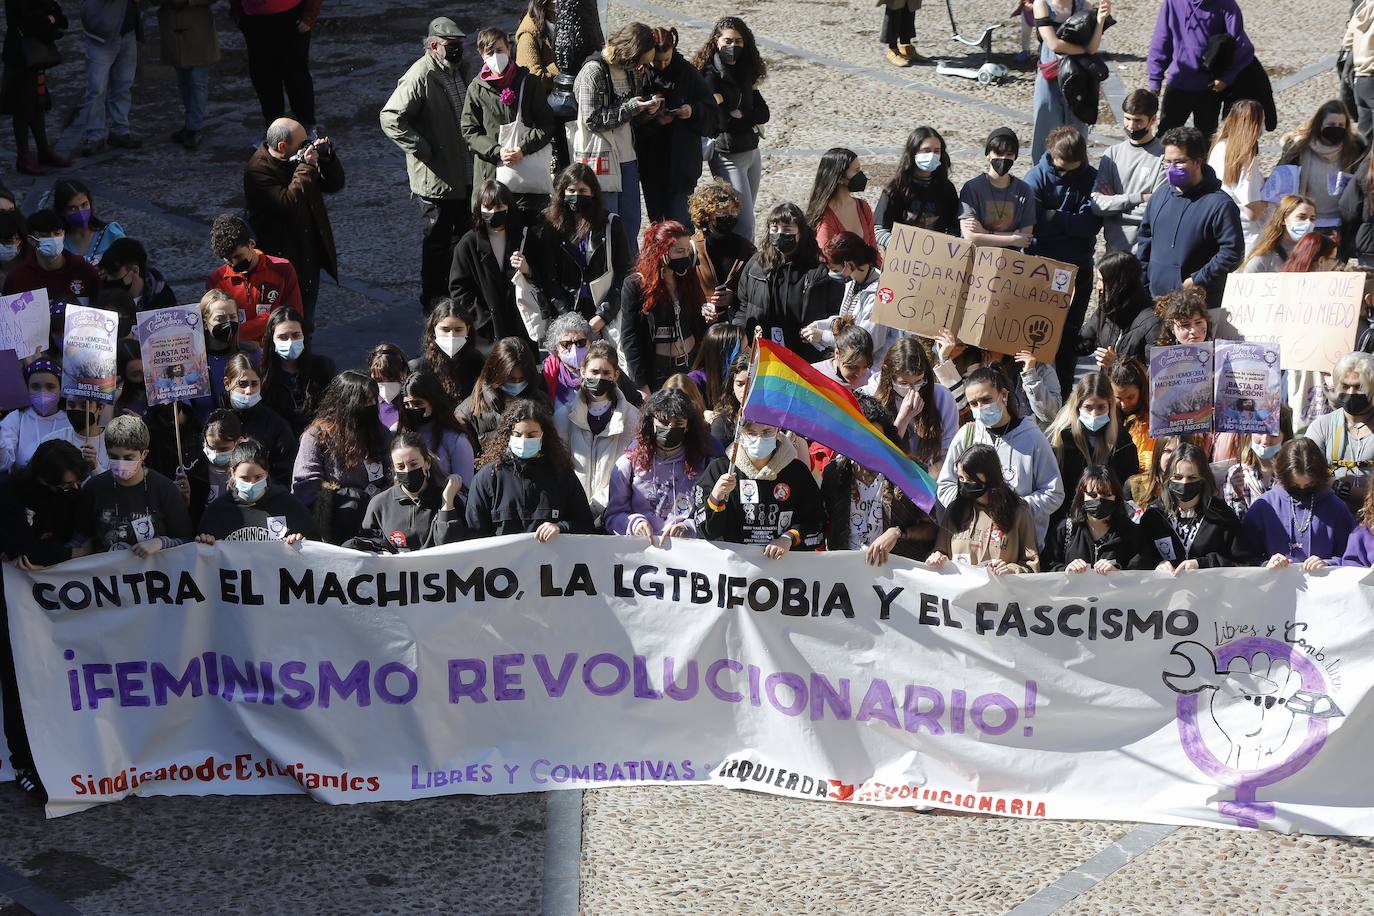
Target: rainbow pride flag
[(786, 392)]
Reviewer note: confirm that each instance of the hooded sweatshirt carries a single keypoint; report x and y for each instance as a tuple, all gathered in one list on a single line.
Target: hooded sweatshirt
[(1191, 234), (766, 503), (1027, 460), (1066, 225), (661, 496), (1181, 34), (22, 431)]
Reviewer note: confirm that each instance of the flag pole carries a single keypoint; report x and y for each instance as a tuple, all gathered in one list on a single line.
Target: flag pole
[(748, 387)]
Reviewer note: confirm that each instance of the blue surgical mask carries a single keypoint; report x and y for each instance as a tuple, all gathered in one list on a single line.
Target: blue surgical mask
[(1265, 451), (49, 247), (244, 401), (218, 459), (290, 349), (1299, 228), (250, 492), (1094, 423), (513, 388), (989, 414), (758, 447), (9, 252), (525, 447)]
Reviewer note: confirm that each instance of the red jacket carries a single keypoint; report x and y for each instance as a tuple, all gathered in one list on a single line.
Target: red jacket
[(271, 284)]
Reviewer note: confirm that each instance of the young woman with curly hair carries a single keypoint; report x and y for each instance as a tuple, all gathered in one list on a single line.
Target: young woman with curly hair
[(721, 252), (449, 350), (651, 484), (525, 481)]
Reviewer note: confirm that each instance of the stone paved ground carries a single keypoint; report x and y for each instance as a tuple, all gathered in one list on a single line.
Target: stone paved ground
[(646, 850)]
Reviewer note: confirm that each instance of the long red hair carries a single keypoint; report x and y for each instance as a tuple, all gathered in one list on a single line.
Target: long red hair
[(1310, 249), (658, 238)]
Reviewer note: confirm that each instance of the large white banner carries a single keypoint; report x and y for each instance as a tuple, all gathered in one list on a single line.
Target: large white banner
[(1232, 698)]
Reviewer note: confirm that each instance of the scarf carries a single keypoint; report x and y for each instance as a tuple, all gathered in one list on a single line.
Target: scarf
[(499, 80)]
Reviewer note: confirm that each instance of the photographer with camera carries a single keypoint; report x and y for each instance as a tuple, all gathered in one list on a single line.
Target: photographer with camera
[(284, 183)]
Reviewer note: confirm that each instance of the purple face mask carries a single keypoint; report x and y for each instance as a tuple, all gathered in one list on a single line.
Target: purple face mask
[(1178, 175)]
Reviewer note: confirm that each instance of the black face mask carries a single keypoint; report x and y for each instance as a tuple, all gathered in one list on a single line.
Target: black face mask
[(669, 436), (728, 54), (81, 419), (414, 416), (970, 489), (1333, 134), (496, 220), (1357, 403), (412, 479), (596, 387), (224, 331), (1302, 494), (679, 266), (724, 225), (1140, 133), (786, 243), (1099, 508), (1002, 166), (240, 267), (1186, 491), (1064, 173), (578, 204), (858, 182)]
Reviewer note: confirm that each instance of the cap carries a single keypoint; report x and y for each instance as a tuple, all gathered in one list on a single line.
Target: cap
[(444, 27), (1003, 132)]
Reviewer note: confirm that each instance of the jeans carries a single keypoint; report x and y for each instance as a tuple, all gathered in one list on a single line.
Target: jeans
[(742, 171), (1051, 111), (661, 204), (445, 221), (625, 203), (110, 69), (279, 59), (193, 83)]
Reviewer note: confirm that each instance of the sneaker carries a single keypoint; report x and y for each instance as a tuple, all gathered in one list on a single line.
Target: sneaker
[(896, 59), (50, 156), (125, 141), (26, 165), (90, 147), (28, 781)]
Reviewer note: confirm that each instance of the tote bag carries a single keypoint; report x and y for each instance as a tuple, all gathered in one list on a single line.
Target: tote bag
[(533, 173)]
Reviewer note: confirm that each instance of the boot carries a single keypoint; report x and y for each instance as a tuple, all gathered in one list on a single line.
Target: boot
[(896, 59), (49, 156), (26, 165), (909, 52)]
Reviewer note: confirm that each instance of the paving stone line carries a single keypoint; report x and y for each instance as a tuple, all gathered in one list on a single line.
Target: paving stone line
[(562, 853), (1094, 871), (31, 897)]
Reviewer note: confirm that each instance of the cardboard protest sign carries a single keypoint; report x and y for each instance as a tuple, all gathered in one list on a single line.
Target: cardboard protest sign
[(1247, 390), (1312, 317), (923, 282), (1016, 302), (13, 392), (1181, 389), (88, 353), (24, 321), (172, 344)]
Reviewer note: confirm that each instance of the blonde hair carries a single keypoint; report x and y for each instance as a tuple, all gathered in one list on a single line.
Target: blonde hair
[(1275, 228), (1066, 425)]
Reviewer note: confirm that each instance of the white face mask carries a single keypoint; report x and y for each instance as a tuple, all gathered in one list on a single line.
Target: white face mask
[(450, 343), (901, 390), (497, 62), (244, 401), (927, 162), (388, 391), (758, 447), (1300, 228), (124, 468)]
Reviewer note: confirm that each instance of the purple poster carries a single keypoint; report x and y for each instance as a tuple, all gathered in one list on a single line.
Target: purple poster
[(1181, 389), (1247, 387), (88, 354), (173, 348)]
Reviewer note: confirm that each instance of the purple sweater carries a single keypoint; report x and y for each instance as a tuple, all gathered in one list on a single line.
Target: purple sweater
[(1359, 550), (1271, 529), (658, 494), (1181, 34)]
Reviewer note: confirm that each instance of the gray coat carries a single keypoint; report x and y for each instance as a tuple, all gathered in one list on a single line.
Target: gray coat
[(420, 119)]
